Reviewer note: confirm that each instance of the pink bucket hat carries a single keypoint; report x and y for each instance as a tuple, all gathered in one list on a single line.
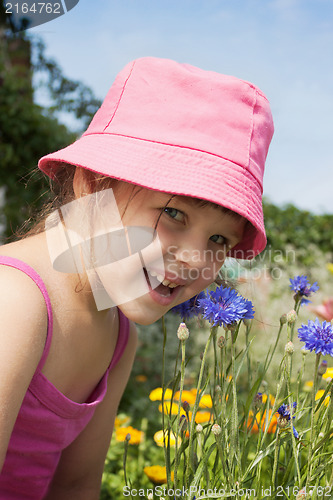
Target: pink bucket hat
[(179, 129)]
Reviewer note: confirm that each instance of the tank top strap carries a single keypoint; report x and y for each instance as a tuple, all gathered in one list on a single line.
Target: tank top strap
[(123, 335), (22, 266)]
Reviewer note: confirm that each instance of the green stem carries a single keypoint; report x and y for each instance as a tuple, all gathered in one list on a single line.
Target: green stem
[(293, 441), (275, 406), (249, 373), (182, 377), (124, 462), (234, 444), (276, 458), (312, 428), (165, 448), (195, 408)]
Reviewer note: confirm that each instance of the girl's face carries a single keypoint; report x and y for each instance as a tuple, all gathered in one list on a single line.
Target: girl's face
[(194, 241)]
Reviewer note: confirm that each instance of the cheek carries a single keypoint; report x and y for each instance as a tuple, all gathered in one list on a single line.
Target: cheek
[(203, 277)]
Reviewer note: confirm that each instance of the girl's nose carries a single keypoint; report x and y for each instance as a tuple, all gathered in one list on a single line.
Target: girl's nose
[(191, 253)]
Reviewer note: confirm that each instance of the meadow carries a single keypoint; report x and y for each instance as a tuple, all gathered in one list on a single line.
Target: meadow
[(233, 406)]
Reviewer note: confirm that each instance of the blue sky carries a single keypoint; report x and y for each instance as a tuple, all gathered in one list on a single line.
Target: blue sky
[(283, 46)]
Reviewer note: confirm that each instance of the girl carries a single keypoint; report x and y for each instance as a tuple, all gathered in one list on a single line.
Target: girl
[(174, 149)]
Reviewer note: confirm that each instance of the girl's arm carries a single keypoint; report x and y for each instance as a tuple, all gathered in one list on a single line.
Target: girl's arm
[(81, 465), (23, 327)]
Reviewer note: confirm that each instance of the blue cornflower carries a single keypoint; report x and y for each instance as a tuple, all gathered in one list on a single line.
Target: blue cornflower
[(285, 416), (317, 337), (190, 308), (284, 410), (301, 286), (225, 306)]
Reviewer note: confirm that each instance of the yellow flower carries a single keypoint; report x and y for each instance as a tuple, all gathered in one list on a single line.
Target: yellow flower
[(201, 417), (328, 373), (206, 401), (308, 386), (121, 420), (136, 436), (319, 395), (330, 267), (271, 399), (157, 474), (156, 394), (141, 378), (171, 408), (158, 438), (188, 396)]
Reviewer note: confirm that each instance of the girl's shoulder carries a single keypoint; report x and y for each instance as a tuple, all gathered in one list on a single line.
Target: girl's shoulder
[(20, 299)]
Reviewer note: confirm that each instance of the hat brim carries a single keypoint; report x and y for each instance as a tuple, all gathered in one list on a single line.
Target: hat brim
[(152, 165)]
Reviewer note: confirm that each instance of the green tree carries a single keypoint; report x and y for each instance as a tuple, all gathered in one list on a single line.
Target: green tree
[(27, 130)]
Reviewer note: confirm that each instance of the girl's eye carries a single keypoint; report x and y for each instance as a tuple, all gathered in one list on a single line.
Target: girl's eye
[(220, 240), (174, 214)]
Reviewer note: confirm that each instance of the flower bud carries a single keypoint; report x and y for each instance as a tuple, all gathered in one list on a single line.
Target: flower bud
[(128, 437), (291, 317), (289, 348), (301, 494), (186, 406), (282, 422), (221, 342), (257, 400), (247, 322), (283, 319), (218, 389), (216, 430), (322, 367), (199, 428), (150, 496), (182, 332), (183, 423)]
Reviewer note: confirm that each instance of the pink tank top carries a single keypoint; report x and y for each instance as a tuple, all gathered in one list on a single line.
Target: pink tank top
[(48, 421)]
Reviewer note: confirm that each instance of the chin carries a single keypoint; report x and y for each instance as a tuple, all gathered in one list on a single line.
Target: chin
[(139, 315)]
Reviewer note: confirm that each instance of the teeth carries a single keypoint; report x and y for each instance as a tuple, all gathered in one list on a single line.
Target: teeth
[(169, 284), (161, 279), (158, 276)]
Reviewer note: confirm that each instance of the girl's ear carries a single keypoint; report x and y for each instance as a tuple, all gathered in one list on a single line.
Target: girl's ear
[(83, 182)]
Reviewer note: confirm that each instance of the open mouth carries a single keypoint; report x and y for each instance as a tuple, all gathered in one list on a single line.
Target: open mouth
[(157, 283)]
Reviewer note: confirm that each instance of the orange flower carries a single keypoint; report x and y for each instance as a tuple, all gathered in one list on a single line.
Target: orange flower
[(141, 378), (262, 422), (135, 435), (157, 474), (121, 420)]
